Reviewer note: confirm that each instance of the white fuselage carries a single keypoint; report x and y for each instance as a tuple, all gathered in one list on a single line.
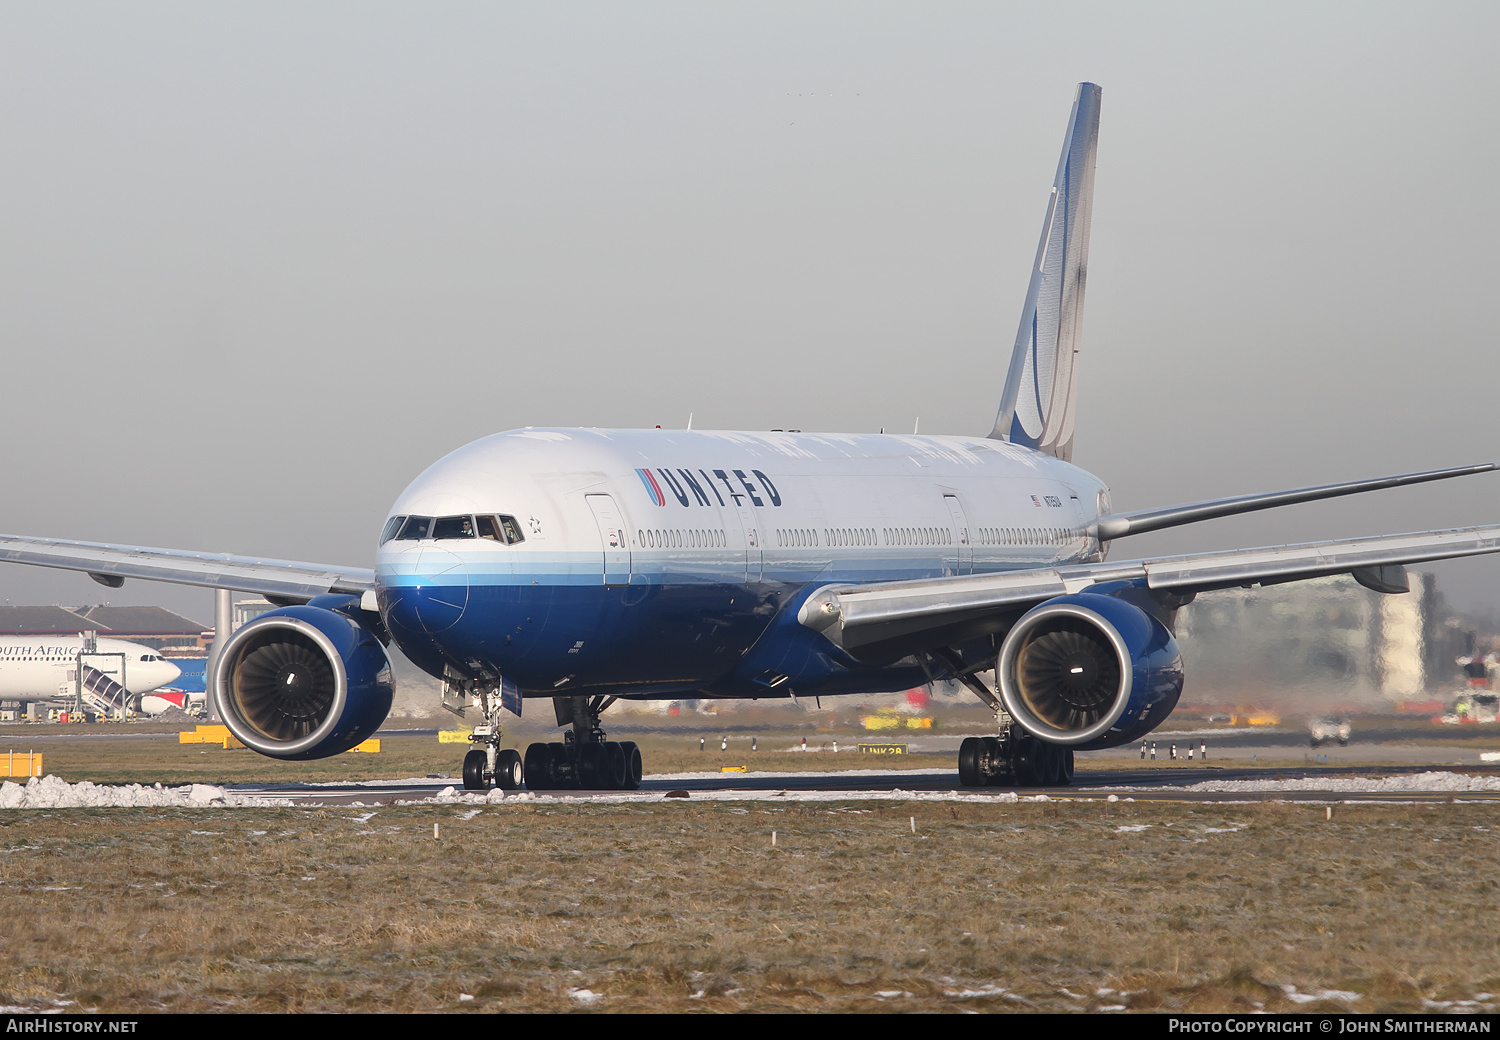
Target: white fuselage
[(43, 668), (594, 556)]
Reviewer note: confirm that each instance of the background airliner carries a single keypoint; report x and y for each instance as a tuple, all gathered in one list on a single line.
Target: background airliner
[(44, 669), (582, 566)]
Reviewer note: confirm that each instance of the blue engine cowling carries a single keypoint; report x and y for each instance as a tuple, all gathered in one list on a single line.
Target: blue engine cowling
[(303, 682), (1089, 671)]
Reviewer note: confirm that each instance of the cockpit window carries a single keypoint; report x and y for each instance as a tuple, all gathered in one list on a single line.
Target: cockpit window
[(391, 527), (489, 527), (415, 528), (453, 527), (503, 529)]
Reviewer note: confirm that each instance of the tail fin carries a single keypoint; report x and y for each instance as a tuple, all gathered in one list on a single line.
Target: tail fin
[(1037, 407)]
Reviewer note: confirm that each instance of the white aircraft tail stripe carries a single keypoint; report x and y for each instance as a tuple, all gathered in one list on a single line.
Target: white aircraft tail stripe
[(1036, 409)]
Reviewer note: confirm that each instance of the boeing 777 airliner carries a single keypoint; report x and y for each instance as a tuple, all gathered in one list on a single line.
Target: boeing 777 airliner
[(584, 566)]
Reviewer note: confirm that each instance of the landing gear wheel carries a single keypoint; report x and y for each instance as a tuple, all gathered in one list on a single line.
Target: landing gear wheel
[(474, 778), (970, 753), (614, 766), (991, 762), (1065, 775), (1055, 765), (564, 767), (508, 772), (538, 768), (593, 766), (1032, 765), (632, 755)]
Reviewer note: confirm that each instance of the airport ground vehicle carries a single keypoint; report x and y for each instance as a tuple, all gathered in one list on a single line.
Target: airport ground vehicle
[(580, 566), (1329, 727)]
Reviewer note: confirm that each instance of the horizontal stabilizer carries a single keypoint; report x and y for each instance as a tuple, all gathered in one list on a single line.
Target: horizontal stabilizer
[(1118, 525)]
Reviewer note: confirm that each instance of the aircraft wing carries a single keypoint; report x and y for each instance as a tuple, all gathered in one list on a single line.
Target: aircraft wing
[(1118, 525), (112, 564), (932, 611)]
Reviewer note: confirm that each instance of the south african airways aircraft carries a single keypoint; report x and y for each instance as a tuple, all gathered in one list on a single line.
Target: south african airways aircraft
[(582, 566)]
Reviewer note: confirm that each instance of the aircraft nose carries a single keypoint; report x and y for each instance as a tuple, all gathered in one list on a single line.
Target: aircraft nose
[(172, 672)]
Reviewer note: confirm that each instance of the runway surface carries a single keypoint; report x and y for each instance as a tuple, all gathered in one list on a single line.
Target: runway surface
[(1169, 784)]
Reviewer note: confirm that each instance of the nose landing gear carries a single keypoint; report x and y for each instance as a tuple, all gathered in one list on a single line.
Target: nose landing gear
[(488, 765)]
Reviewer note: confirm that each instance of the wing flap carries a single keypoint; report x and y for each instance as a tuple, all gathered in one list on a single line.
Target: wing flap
[(266, 577), (1202, 572), (858, 616)]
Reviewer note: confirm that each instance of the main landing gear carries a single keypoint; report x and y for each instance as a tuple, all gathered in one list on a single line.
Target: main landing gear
[(585, 758), (1012, 756)]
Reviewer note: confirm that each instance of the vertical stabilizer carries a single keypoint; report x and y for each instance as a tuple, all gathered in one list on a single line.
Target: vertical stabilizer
[(1036, 409)]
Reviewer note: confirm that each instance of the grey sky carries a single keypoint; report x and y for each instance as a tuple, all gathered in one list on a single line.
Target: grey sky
[(263, 263)]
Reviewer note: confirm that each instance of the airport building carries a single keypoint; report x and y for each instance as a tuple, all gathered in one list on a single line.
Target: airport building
[(155, 627), (1329, 639)]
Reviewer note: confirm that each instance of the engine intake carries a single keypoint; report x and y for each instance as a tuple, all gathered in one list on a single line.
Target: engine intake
[(303, 682), (1089, 671)]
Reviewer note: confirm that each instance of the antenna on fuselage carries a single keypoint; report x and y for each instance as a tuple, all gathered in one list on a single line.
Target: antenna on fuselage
[(690, 420)]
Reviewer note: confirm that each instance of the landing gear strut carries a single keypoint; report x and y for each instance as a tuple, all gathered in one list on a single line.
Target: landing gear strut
[(585, 758), (488, 765)]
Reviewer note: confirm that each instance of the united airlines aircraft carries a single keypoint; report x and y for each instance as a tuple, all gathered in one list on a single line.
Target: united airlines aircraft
[(586, 566)]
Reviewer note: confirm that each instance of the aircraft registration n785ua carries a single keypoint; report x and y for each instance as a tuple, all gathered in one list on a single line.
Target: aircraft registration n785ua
[(583, 565)]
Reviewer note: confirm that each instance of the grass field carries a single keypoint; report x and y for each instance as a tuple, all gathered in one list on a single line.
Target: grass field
[(682, 906)]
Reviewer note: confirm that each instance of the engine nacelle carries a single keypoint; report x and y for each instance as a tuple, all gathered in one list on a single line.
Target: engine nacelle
[(303, 682), (1089, 671)]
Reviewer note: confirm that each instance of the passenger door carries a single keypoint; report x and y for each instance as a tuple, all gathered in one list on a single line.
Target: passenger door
[(613, 542), (963, 547)]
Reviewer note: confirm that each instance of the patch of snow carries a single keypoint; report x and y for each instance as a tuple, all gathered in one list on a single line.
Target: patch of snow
[(1430, 781), (972, 994), (1323, 994), (585, 996), (49, 792)]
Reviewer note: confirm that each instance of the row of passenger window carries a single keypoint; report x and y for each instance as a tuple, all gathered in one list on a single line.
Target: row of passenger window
[(1025, 535), (798, 538), (692, 538), (502, 529)]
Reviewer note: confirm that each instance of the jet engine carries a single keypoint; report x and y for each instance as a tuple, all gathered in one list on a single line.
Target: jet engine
[(1089, 671), (303, 682)]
